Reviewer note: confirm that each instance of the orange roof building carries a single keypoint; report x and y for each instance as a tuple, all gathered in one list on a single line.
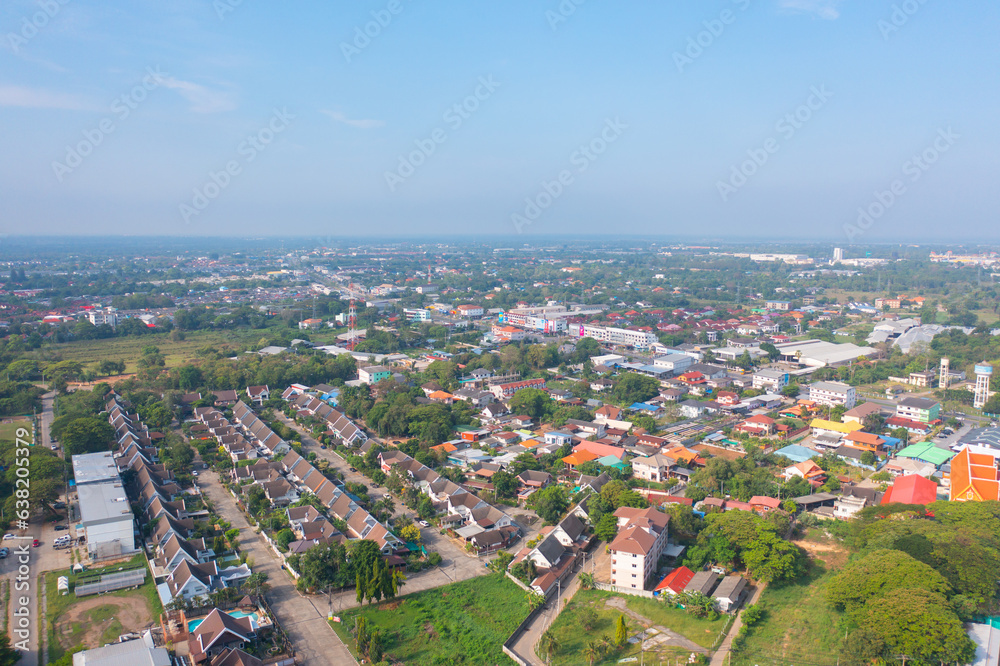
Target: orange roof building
[(975, 477), (577, 458), (911, 489)]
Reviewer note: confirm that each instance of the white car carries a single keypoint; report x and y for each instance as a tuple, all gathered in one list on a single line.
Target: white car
[(9, 536), (194, 472), (423, 523), (386, 495)]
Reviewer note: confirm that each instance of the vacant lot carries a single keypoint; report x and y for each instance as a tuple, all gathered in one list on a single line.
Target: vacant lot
[(9, 426), (176, 352), (799, 627), (95, 620), (589, 607), (461, 623)]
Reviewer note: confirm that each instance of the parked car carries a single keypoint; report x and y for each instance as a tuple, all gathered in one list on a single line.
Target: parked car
[(59, 505), (423, 523), (36, 543), (386, 495), (60, 528), (194, 472), (4, 552), (9, 536)]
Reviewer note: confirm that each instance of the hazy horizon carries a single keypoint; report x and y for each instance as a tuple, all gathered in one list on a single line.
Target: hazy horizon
[(771, 121)]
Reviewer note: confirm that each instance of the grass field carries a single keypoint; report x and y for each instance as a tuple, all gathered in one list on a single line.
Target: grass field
[(461, 623), (92, 352), (8, 431), (95, 620), (573, 638), (799, 627)]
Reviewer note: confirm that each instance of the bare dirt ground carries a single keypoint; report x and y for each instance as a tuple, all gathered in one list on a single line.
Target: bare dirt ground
[(831, 553), (78, 627)]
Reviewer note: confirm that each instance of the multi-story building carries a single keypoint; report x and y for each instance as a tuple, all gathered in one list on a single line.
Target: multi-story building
[(533, 322), (924, 410), (770, 380), (98, 317), (373, 374), (504, 391), (470, 310), (417, 314), (635, 552), (507, 333), (778, 305), (833, 394), (616, 336)]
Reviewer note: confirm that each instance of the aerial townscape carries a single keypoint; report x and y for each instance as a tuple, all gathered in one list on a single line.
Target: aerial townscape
[(521, 333), (432, 452)]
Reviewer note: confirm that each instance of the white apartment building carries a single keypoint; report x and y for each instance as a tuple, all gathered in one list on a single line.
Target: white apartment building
[(616, 336), (635, 552), (770, 380), (833, 394)]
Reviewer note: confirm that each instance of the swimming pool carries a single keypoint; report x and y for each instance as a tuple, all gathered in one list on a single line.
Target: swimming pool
[(193, 624)]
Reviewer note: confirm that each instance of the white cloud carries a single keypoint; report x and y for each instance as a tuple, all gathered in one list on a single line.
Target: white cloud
[(361, 124), (202, 99), (825, 9), (34, 98)]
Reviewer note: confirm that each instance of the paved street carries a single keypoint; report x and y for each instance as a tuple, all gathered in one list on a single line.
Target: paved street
[(303, 618), (41, 559), (432, 540)]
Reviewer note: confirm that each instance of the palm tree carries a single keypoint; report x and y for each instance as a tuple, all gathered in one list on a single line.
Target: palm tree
[(549, 645), (592, 652), (587, 581)]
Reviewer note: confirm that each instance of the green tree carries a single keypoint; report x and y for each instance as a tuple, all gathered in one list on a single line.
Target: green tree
[(877, 573), (621, 631), (633, 387), (550, 503), (531, 402), (606, 528), (504, 484), (920, 624), (88, 434)]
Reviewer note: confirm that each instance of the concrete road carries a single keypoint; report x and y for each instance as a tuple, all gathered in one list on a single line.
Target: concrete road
[(432, 540), (302, 618)]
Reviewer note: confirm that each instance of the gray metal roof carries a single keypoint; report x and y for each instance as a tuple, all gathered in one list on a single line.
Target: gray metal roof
[(94, 468)]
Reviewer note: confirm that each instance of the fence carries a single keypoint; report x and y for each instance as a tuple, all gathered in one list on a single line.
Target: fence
[(624, 590), (118, 580)]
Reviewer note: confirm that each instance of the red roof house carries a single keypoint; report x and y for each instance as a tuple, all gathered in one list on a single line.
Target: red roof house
[(911, 489)]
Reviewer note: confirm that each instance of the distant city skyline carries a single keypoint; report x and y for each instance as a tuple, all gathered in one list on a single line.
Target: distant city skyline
[(798, 120)]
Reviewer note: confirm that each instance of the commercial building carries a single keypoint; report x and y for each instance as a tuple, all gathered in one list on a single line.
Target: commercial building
[(107, 519), (833, 394), (924, 410), (532, 322), (616, 336), (373, 374), (770, 380)]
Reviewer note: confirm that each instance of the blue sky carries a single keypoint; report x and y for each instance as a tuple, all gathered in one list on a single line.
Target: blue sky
[(251, 117)]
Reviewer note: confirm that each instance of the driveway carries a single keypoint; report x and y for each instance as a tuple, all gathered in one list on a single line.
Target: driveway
[(303, 618), (432, 540)]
